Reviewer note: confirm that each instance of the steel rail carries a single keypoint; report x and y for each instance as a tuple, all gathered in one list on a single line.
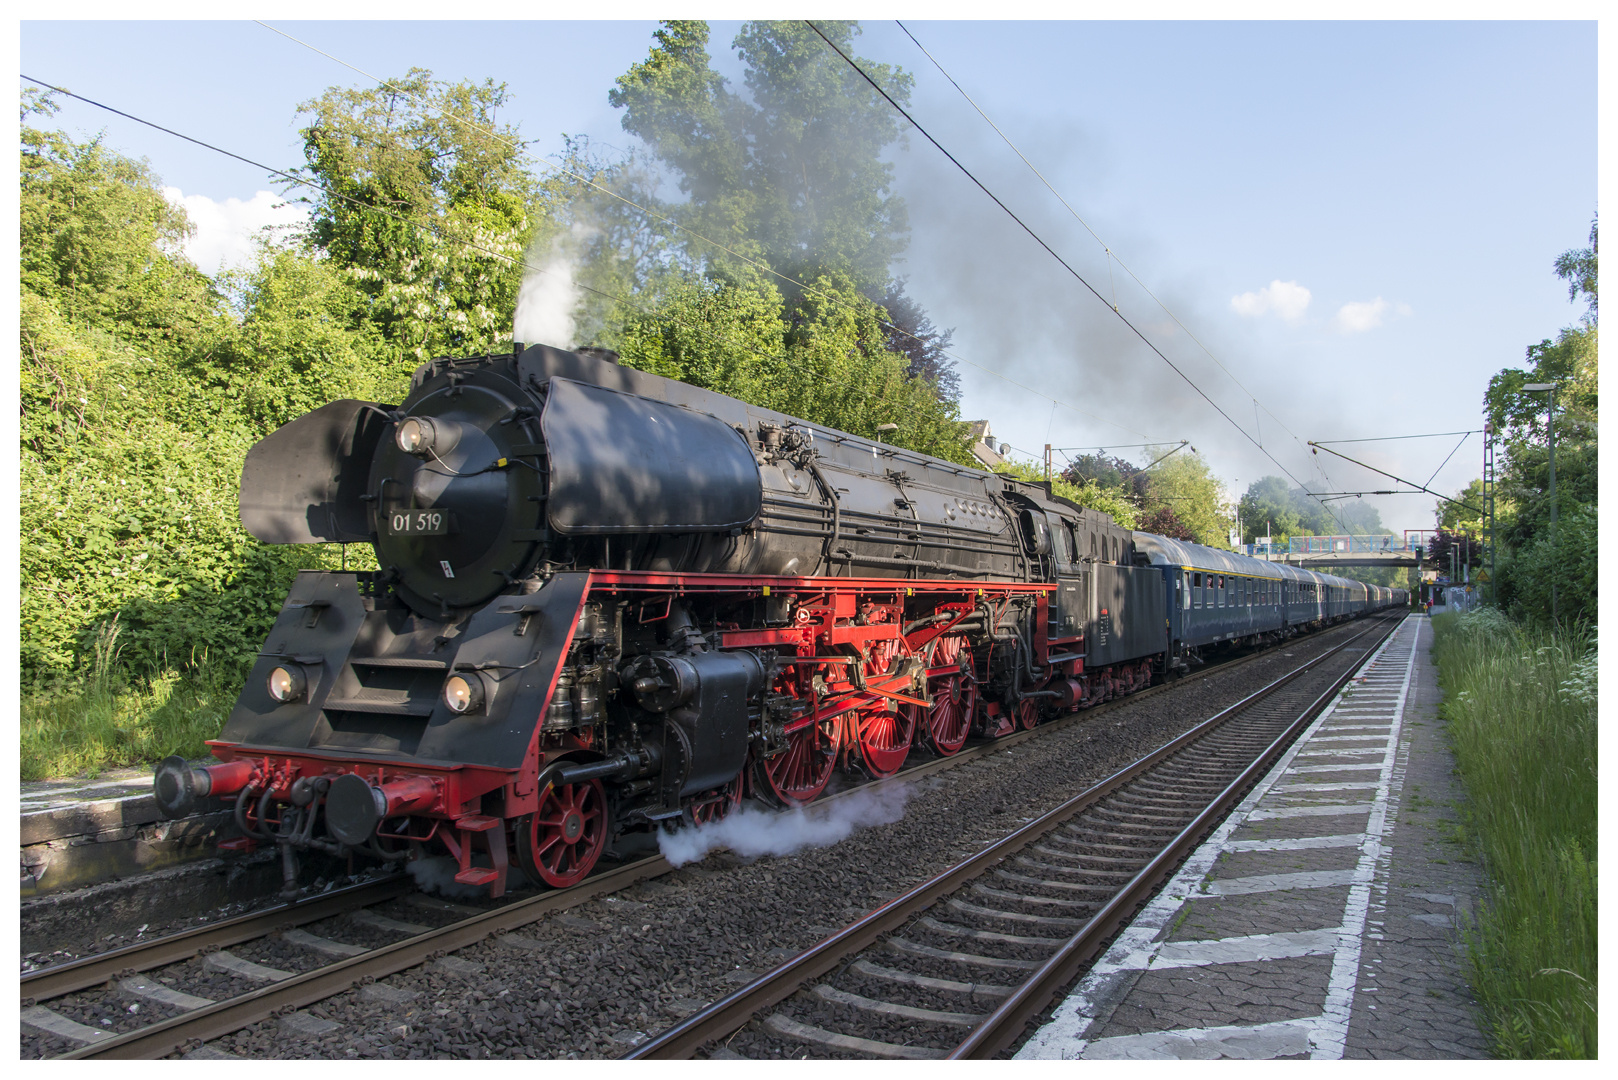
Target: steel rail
[(58, 979), (731, 1012), (1001, 1028), (235, 1013)]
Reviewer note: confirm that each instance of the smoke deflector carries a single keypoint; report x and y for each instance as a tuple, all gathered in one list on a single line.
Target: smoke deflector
[(302, 483)]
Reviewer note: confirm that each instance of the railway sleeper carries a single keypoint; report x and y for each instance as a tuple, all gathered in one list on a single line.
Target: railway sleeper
[(949, 929), (827, 992), (1046, 883), (902, 945), (786, 1027), (926, 982), (1052, 921)]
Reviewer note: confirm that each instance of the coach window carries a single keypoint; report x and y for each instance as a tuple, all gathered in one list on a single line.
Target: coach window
[(1196, 590), (1219, 590)]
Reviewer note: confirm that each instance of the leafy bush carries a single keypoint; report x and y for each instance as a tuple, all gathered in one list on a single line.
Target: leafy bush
[(1521, 712), (1570, 563)]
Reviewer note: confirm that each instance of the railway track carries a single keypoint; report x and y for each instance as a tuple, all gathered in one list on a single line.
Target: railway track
[(957, 967), (396, 943)]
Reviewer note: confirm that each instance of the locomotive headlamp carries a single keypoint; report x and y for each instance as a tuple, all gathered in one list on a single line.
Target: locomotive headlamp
[(414, 435), (463, 693), (287, 684)]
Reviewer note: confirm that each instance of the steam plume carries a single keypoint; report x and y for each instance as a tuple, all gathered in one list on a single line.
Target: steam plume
[(750, 832), (437, 875), (549, 295)]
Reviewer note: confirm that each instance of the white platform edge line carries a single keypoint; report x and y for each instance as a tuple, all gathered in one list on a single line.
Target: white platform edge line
[(1329, 1038)]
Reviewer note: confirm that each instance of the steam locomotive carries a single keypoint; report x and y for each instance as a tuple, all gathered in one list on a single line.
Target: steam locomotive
[(609, 602)]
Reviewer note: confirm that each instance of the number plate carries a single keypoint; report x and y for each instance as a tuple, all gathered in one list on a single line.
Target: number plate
[(418, 523)]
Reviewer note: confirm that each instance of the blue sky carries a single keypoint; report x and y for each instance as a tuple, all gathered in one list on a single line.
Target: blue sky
[(1357, 219)]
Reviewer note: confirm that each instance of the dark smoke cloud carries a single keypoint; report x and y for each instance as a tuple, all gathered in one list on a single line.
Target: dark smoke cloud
[(1017, 312)]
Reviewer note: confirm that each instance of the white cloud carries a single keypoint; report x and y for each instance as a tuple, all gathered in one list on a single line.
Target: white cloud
[(225, 230), (1358, 316), (1287, 299)]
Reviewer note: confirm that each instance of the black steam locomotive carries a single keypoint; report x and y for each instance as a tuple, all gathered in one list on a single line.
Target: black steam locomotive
[(608, 601)]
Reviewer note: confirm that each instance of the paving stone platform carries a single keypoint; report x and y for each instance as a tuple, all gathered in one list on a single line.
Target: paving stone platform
[(1319, 920)]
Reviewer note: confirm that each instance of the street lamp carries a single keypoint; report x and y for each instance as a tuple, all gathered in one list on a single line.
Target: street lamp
[(1550, 428)]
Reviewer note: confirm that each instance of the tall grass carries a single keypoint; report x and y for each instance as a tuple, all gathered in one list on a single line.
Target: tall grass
[(1520, 706), (109, 718)]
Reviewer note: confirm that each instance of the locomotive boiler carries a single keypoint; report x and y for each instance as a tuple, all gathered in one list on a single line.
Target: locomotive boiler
[(608, 601)]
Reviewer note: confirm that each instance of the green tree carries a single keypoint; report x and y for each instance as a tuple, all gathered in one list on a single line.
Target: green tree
[(302, 341), (1272, 507), (1455, 517), (1529, 558), (1176, 496), (792, 172), (1088, 494), (98, 239), (140, 397), (426, 202), (825, 358), (1577, 267), (1186, 484)]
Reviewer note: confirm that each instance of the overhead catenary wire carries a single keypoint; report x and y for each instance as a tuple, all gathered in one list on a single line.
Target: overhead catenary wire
[(1451, 454), (900, 109), (1400, 479), (653, 215), (1395, 438)]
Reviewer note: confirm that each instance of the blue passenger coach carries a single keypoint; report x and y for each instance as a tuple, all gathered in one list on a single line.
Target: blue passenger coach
[(1219, 599)]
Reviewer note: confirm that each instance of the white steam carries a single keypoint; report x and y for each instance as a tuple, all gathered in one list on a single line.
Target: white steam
[(549, 294), (437, 875), (751, 832)]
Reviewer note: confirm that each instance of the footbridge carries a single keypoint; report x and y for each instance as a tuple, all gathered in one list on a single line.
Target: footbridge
[(1324, 552)]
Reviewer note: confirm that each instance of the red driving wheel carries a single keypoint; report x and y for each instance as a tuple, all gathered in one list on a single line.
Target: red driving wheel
[(955, 700), (884, 735), (560, 842), (799, 773)]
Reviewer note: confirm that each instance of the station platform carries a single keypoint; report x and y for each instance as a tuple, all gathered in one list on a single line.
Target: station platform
[(80, 832), (1320, 919)]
